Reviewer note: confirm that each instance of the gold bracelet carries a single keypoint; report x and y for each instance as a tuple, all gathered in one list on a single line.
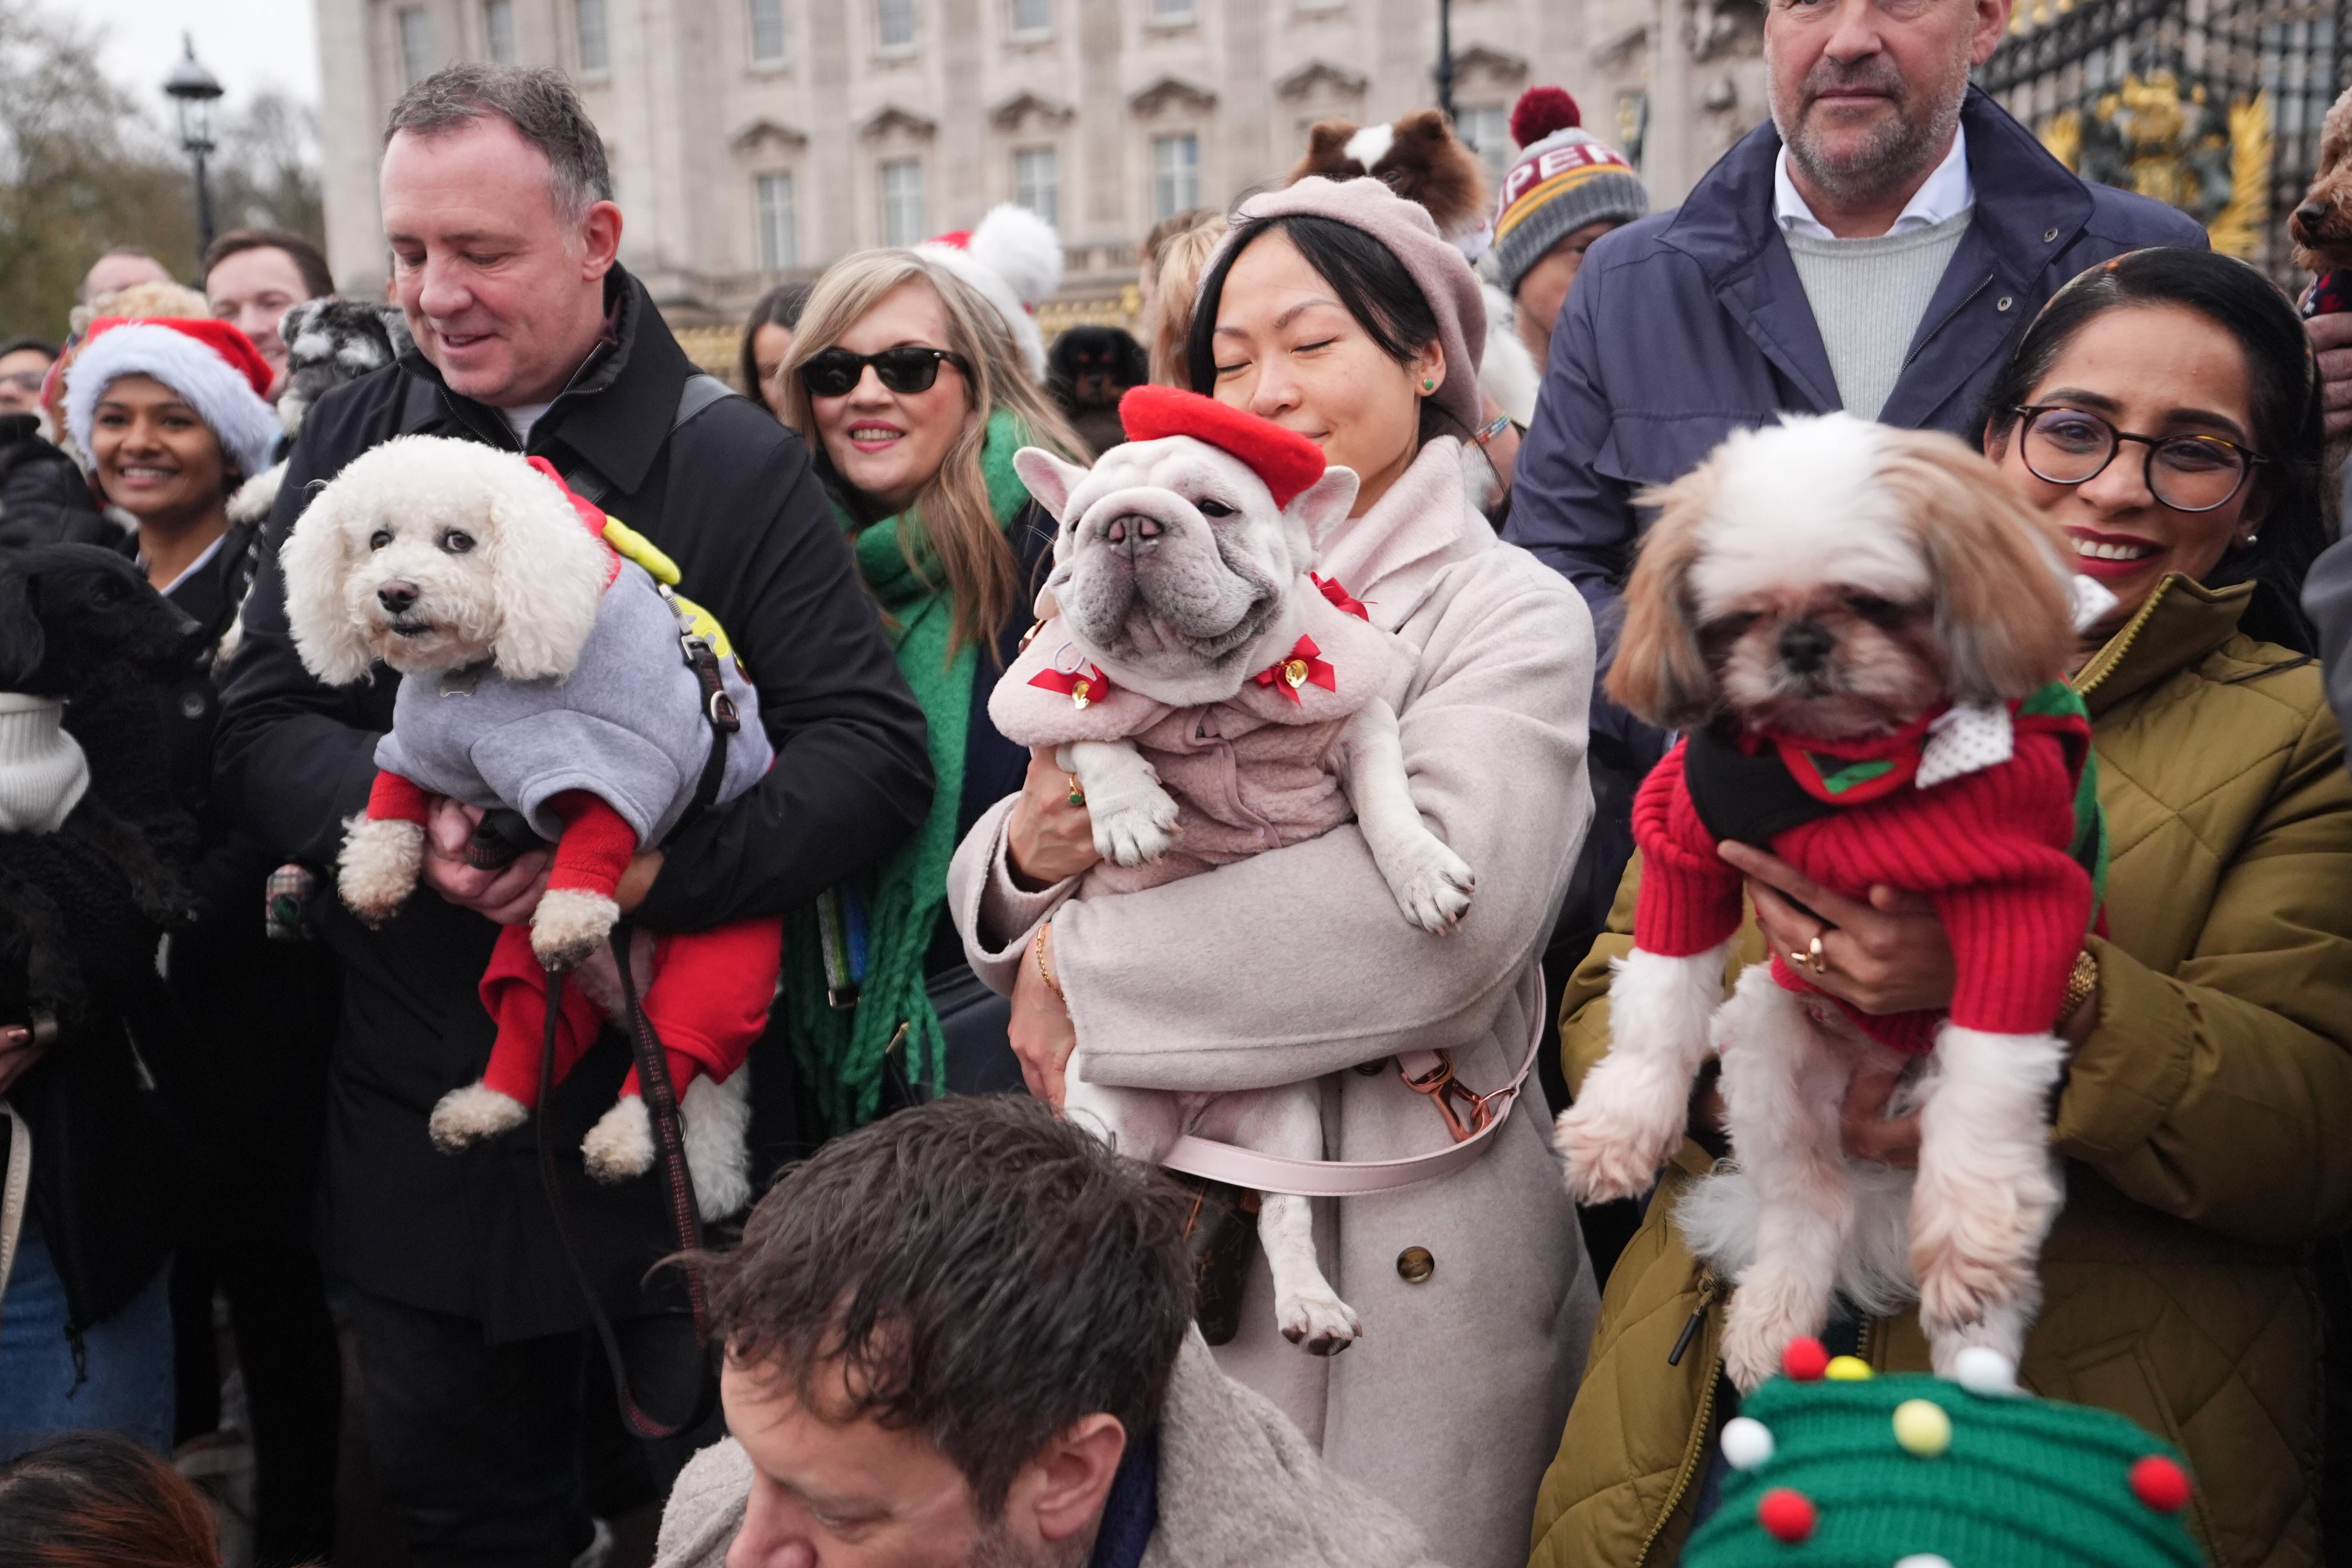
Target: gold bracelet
[(1038, 948), (2081, 981)]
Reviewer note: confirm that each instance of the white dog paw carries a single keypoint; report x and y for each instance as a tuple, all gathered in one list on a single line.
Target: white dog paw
[(1609, 1154), (470, 1114), (717, 1117), (378, 865), (568, 923), (1762, 1319), (1134, 831), (1316, 1320), (1974, 1244), (621, 1144), (1431, 884)]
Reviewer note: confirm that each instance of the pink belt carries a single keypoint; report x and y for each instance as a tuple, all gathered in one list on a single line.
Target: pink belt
[(1426, 1072)]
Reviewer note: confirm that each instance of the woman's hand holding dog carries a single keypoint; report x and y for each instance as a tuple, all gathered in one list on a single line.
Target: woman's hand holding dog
[(1049, 839), (1889, 955), (509, 894), (1043, 1035)]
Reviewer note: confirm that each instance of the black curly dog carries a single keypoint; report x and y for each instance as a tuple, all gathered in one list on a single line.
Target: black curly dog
[(83, 905)]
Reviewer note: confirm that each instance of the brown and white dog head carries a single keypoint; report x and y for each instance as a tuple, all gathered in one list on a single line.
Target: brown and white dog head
[(1176, 558), (434, 554), (1834, 578), (2321, 224)]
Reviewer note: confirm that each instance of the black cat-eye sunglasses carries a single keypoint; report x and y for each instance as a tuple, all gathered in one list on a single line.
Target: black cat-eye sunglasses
[(835, 372)]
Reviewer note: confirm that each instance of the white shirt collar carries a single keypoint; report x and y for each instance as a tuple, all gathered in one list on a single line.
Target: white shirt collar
[(193, 567), (1946, 192)]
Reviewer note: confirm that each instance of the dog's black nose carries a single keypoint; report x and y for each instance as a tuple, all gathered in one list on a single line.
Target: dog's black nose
[(396, 597), (2311, 216), (1805, 647)]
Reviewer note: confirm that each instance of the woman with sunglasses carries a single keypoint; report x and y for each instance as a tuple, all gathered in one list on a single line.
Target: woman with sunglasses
[(2163, 410), (910, 389)]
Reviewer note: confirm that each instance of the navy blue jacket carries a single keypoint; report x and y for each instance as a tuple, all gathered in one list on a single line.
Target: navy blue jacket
[(1691, 324)]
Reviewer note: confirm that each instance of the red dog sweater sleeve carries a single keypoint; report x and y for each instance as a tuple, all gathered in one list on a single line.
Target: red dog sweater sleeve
[(1689, 898), (595, 847), (393, 798)]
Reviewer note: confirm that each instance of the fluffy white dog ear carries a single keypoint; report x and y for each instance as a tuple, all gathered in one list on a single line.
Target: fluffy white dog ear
[(317, 558), (1050, 479), (1323, 505), (548, 575)]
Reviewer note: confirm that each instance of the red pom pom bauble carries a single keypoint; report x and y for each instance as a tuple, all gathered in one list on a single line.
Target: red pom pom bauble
[(1787, 1515), (2160, 1484), (1542, 110), (1287, 461), (1805, 1360)]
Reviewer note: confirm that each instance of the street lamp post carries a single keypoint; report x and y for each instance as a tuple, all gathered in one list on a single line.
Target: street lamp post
[(1445, 59), (194, 91)]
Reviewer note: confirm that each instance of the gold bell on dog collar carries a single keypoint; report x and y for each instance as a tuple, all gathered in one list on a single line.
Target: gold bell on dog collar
[(1294, 672), (1079, 689)]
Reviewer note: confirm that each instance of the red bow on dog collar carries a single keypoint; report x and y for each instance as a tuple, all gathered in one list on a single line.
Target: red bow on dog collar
[(1082, 687), (1305, 664), (1339, 595)]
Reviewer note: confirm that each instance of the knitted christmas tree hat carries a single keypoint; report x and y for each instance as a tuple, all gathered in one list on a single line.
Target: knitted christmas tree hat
[(1855, 1471)]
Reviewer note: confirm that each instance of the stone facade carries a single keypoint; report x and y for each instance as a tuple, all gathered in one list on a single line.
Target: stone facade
[(756, 139)]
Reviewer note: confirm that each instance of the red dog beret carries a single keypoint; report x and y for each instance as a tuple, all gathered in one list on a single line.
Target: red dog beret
[(1287, 461)]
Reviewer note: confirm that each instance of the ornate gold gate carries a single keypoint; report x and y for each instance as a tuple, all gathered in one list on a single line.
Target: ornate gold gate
[(2213, 106)]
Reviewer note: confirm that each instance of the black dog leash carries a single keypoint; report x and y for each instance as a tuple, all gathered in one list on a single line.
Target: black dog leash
[(660, 1097)]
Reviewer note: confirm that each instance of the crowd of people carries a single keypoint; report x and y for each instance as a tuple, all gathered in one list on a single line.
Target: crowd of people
[(953, 1327)]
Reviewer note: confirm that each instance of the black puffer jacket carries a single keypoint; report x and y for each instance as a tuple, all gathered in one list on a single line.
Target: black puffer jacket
[(44, 498), (731, 497)]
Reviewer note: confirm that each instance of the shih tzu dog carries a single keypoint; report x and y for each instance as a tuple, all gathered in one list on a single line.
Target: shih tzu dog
[(1211, 698), (1861, 634), (540, 649)]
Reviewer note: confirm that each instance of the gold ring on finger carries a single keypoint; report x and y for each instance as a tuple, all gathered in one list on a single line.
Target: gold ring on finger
[(1077, 790), (1819, 966)]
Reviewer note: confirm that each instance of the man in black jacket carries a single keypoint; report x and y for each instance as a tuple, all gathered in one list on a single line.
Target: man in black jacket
[(529, 335)]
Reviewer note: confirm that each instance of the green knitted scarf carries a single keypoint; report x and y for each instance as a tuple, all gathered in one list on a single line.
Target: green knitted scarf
[(843, 1050)]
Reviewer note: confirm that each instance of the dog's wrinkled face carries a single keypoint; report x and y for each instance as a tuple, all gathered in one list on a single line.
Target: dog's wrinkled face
[(1835, 579), (1172, 559), (434, 554)]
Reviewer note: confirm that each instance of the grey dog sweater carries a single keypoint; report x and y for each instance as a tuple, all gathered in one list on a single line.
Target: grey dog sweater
[(626, 725)]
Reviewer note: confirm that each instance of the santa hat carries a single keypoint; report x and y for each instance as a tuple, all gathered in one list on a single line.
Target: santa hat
[(1014, 260), (213, 366), (1287, 461), (1564, 178), (1420, 158)]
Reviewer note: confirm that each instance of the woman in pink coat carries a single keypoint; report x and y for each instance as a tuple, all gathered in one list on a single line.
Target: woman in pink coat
[(1337, 311)]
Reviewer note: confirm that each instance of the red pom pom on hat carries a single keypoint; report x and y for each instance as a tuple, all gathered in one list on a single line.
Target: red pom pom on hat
[(1287, 461), (1787, 1515), (2160, 1484), (1805, 1360), (1542, 110)]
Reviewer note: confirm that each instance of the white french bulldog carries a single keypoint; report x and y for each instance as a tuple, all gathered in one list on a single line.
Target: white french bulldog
[(1213, 699)]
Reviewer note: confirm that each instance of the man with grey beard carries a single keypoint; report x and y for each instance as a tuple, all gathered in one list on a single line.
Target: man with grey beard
[(1877, 247)]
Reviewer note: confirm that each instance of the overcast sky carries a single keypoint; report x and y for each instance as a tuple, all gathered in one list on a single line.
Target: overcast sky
[(247, 44)]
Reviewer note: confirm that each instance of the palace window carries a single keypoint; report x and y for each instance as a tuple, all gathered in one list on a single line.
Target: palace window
[(497, 31), (1032, 18), (1037, 182), (902, 202), (767, 32), (1487, 133), (778, 244), (596, 43), (1175, 174), (894, 24), (416, 45), (1170, 13)]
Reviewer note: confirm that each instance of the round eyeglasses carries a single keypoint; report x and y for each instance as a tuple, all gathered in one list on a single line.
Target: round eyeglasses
[(2188, 473)]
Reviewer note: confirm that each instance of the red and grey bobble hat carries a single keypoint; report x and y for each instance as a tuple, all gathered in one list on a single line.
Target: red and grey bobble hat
[(1564, 178), (1834, 1467), (213, 366), (1287, 461)]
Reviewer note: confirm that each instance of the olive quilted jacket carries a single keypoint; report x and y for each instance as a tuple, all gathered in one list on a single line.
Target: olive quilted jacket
[(2202, 1123)]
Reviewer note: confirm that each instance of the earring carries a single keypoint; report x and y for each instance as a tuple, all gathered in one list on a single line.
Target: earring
[(1428, 383), (2250, 539)]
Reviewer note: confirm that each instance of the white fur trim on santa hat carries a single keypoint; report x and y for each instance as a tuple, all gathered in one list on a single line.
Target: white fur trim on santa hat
[(1014, 259), (218, 392)]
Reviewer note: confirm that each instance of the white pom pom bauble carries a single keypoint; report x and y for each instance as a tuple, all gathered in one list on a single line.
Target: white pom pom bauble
[(1747, 1443), (1982, 1370), (1923, 1560)]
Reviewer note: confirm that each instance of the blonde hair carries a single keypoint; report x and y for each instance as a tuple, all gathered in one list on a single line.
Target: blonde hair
[(958, 529), (1183, 256)]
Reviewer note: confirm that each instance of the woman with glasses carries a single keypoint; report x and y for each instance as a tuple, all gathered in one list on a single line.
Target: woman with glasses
[(2164, 411), (909, 388)]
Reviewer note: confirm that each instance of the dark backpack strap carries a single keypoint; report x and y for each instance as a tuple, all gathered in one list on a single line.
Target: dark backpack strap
[(701, 390)]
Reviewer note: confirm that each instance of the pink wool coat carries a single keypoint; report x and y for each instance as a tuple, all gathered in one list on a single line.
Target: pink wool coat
[(1296, 964), (1249, 774)]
